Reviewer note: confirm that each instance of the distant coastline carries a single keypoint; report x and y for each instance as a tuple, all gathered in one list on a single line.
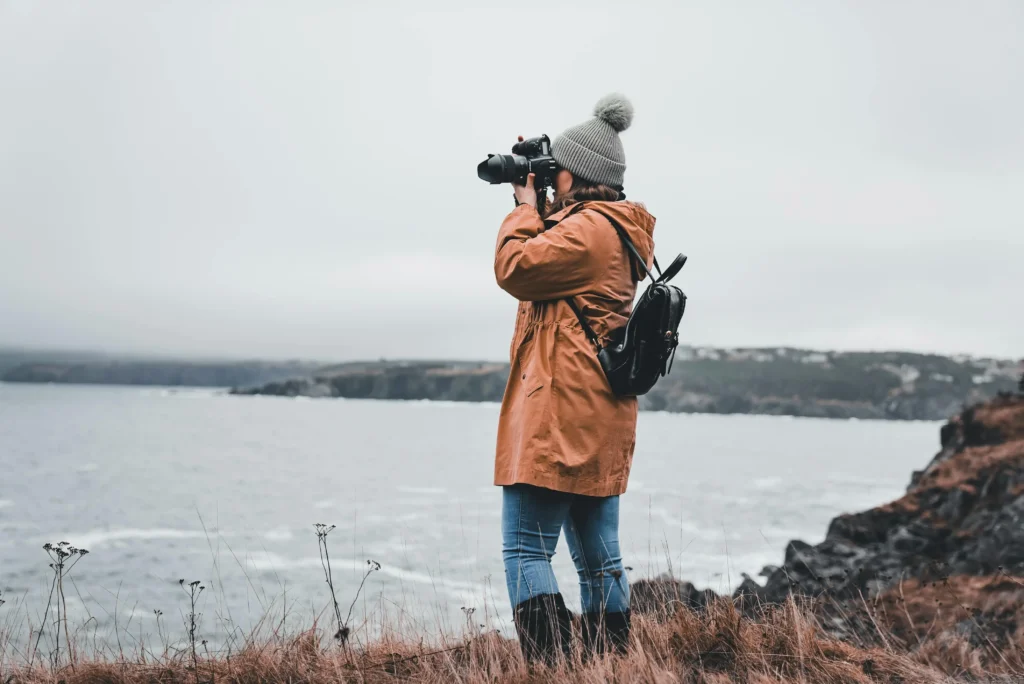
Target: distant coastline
[(768, 381), (83, 368)]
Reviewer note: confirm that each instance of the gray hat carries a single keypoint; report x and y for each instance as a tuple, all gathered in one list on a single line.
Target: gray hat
[(592, 150)]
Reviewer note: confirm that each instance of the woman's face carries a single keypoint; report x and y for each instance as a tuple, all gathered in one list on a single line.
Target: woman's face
[(563, 182)]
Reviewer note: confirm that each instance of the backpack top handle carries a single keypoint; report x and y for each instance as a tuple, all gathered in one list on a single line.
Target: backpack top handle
[(673, 268)]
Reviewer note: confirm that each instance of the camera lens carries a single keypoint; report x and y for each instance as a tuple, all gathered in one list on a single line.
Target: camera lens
[(492, 169), (503, 168)]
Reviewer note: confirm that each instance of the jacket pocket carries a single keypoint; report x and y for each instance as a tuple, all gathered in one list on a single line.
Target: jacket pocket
[(533, 363)]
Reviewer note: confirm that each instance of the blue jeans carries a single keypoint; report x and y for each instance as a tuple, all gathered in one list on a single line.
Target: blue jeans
[(531, 519)]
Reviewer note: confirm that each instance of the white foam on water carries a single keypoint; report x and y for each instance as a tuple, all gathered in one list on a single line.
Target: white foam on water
[(449, 404), (137, 613), (409, 517), (94, 538), (267, 560), (270, 561), (6, 503), (734, 499), (278, 534), (87, 468), (781, 535), (675, 521), (408, 489), (767, 483), (183, 392), (859, 480), (198, 393)]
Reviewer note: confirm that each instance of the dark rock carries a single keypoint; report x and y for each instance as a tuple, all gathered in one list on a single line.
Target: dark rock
[(748, 594), (944, 564), (794, 548), (664, 595), (963, 515)]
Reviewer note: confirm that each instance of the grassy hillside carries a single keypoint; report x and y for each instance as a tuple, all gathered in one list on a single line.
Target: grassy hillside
[(97, 371), (893, 385), (776, 381)]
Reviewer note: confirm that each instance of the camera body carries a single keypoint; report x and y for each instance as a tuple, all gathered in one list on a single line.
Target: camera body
[(529, 156)]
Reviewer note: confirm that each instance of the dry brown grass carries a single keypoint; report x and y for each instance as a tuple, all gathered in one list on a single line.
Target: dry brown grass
[(972, 626), (717, 645)]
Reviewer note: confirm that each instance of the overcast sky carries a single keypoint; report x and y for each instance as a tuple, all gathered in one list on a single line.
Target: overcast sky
[(297, 179)]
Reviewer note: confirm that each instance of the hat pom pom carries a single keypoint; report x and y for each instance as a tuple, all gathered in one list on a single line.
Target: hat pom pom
[(615, 110)]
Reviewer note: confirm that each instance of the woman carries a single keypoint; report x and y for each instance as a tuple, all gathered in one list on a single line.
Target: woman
[(565, 441)]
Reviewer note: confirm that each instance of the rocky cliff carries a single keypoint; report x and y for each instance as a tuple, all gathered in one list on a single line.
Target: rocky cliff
[(962, 515), (438, 381), (154, 372), (943, 564), (891, 385)]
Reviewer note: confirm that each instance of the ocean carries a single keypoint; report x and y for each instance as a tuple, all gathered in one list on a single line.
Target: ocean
[(163, 484)]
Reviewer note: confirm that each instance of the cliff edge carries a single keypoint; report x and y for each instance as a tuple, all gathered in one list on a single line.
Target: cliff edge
[(937, 572)]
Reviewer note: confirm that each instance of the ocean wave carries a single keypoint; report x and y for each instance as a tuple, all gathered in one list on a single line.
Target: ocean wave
[(409, 517), (95, 538), (278, 534), (855, 479), (408, 489), (269, 561), (184, 392), (673, 520), (450, 403), (767, 483)]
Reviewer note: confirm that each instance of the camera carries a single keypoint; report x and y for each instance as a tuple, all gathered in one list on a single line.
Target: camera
[(529, 156)]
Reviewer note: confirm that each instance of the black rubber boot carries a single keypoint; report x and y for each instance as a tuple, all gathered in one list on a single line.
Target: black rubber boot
[(544, 626), (605, 632)]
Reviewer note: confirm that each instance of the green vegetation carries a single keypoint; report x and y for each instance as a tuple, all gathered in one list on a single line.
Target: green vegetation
[(891, 385)]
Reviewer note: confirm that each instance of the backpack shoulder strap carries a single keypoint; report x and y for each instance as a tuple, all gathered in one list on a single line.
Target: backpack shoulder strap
[(640, 261), (587, 330), (634, 254)]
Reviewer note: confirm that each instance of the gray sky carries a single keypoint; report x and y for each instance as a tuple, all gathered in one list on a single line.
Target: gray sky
[(298, 179)]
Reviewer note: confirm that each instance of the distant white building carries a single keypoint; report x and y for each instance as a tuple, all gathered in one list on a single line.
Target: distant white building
[(757, 355), (708, 353), (906, 373), (684, 353)]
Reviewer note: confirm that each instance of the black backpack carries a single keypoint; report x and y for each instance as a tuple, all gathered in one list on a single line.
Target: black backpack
[(642, 350)]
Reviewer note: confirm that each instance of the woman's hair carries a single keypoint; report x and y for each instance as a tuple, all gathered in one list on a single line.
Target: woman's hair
[(582, 191)]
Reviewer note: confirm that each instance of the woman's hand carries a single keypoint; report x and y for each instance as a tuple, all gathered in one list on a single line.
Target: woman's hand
[(526, 194)]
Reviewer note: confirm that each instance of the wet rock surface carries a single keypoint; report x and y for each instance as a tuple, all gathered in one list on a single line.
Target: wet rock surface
[(962, 515), (944, 560)]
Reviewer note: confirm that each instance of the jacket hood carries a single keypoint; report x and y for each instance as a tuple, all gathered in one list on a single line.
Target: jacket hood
[(634, 219)]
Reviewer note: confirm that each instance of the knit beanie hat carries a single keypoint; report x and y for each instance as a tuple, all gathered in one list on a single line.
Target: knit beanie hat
[(592, 150)]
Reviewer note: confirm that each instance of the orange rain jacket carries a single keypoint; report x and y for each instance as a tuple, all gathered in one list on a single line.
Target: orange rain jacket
[(560, 426)]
